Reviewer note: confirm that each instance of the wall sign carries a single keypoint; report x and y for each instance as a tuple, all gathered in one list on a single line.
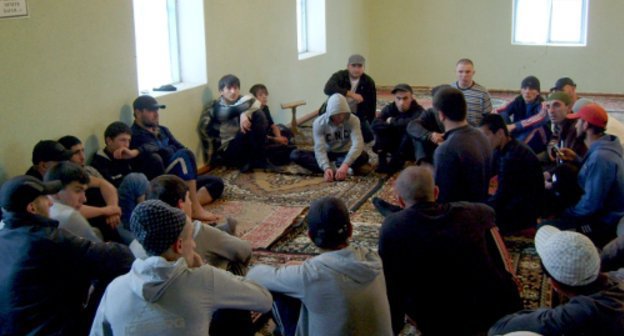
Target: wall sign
[(13, 8)]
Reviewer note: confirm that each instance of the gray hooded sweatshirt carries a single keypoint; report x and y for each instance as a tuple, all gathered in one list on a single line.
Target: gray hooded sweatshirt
[(159, 297), (343, 138), (343, 292)]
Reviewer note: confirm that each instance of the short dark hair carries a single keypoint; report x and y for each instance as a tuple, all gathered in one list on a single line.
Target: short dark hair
[(168, 188), (329, 225), (116, 128), (435, 89), (596, 129), (494, 122), (451, 102), (67, 172), (228, 81), (257, 88), (69, 141), (464, 61)]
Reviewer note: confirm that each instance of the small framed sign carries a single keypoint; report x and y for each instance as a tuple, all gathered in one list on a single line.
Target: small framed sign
[(13, 8)]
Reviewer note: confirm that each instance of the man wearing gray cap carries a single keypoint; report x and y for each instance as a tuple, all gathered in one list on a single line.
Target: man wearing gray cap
[(359, 89), (596, 305), (47, 271), (170, 292)]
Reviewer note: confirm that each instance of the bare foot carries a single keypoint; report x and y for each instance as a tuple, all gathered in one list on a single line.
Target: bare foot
[(206, 216)]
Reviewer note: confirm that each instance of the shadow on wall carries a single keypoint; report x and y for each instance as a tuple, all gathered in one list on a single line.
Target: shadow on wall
[(3, 174), (207, 99), (91, 145), (126, 115)]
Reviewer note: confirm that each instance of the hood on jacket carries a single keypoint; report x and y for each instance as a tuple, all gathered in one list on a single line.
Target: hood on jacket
[(359, 264), (337, 104), (150, 277), (609, 143)]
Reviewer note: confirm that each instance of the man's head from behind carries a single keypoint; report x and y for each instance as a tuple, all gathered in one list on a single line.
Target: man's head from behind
[(451, 103), (74, 144), (464, 69), (329, 225), (403, 97), (530, 89), (117, 135), (229, 88), (47, 153), (146, 111), (355, 66), (171, 190), (163, 230), (570, 258), (28, 194), (493, 127), (415, 184), (558, 106), (75, 181)]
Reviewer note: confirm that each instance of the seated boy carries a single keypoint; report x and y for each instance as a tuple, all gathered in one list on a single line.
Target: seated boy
[(171, 292), (156, 152), (101, 208), (231, 132), (342, 290), (338, 138), (279, 137), (216, 247)]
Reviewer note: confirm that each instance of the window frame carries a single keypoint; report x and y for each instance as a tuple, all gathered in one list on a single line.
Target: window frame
[(549, 41)]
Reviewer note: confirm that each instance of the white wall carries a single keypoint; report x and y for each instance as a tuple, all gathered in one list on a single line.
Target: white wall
[(70, 67)]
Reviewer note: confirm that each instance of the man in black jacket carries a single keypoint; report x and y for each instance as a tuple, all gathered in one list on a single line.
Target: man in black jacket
[(359, 89), (518, 198), (389, 128), (47, 271), (456, 281)]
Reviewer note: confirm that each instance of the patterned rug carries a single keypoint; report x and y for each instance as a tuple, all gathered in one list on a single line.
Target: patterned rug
[(259, 223), (536, 289), (295, 190)]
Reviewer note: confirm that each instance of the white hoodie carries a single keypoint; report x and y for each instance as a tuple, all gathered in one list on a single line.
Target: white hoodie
[(158, 297), (343, 292)]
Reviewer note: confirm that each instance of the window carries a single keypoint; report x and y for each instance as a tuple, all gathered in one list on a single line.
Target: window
[(550, 22), (310, 28), (170, 43)]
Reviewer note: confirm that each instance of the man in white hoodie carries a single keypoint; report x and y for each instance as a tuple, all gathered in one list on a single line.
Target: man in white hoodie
[(337, 137), (342, 289), (171, 292)]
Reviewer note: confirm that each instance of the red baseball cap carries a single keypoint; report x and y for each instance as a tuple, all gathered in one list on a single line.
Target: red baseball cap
[(593, 114)]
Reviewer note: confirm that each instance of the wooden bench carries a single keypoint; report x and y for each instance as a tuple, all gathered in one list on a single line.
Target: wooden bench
[(293, 108)]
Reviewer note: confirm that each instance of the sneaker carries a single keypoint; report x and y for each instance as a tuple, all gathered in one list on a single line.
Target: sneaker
[(384, 207)]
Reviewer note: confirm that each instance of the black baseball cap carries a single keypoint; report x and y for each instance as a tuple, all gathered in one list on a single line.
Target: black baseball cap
[(50, 150), (17, 192), (147, 102), (561, 82), (402, 87)]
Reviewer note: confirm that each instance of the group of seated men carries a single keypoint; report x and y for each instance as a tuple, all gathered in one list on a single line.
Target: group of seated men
[(187, 277)]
